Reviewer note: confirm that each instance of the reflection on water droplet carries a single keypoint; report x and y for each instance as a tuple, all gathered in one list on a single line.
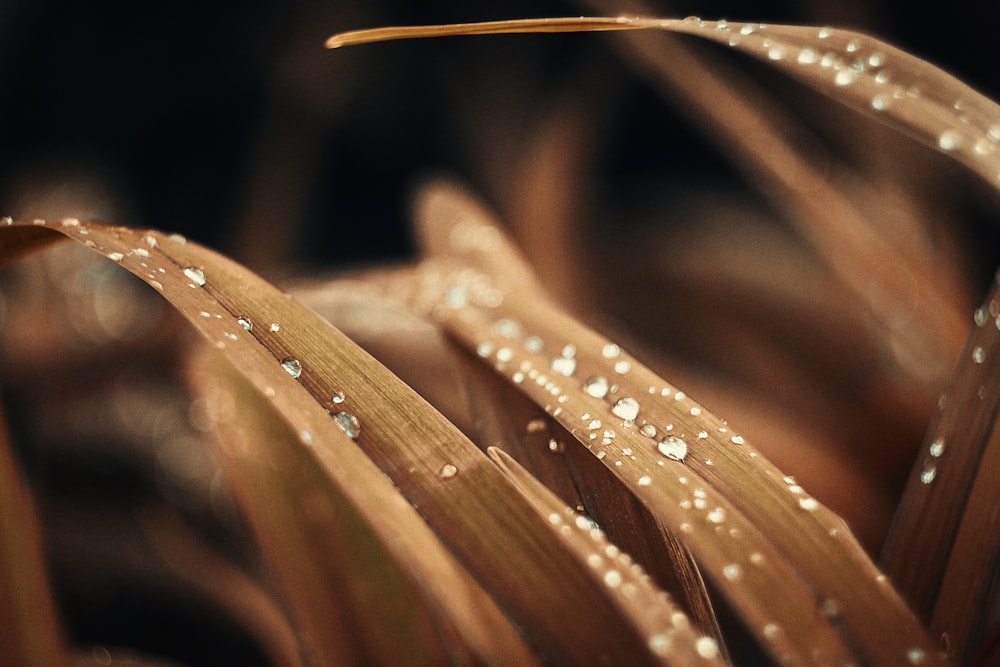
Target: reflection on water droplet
[(337, 398), (936, 448), (659, 644), (808, 503), (707, 647), (626, 408), (771, 631), (610, 351), (245, 324), (737, 440), (673, 448), (718, 515), (612, 578), (596, 387), (195, 275), (293, 366), (564, 366), (533, 344), (732, 572), (116, 256), (845, 77), (979, 355), (928, 474), (915, 656), (622, 367), (447, 470), (645, 480), (948, 140), (348, 423)]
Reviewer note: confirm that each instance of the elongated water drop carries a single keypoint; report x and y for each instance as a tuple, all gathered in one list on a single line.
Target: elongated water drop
[(349, 424), (673, 448), (195, 275), (293, 366), (245, 324)]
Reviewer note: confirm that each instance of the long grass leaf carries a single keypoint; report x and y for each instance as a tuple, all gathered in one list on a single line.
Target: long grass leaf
[(642, 428), (30, 629), (942, 550)]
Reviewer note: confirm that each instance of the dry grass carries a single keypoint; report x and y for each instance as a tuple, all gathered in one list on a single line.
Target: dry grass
[(718, 444)]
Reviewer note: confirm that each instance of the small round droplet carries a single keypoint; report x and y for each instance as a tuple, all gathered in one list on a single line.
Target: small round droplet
[(936, 448), (195, 275), (447, 470), (348, 423), (737, 440), (116, 256), (626, 408), (612, 578), (808, 503), (292, 366), (645, 480), (948, 140), (732, 572), (928, 474), (673, 448), (707, 647), (245, 324), (915, 656), (718, 515), (597, 387), (622, 367), (564, 366), (611, 351), (979, 355), (337, 398)]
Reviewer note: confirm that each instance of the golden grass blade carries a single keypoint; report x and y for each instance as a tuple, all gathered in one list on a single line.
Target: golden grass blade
[(312, 536), (943, 549), (618, 569), (30, 631), (570, 371), (244, 316), (492, 413), (302, 364), (569, 24)]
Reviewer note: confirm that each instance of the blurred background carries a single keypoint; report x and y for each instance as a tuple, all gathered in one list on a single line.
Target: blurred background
[(231, 124)]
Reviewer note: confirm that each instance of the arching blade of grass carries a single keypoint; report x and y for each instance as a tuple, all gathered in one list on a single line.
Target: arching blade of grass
[(492, 413), (944, 547), (694, 474), (310, 372), (30, 630), (617, 569)]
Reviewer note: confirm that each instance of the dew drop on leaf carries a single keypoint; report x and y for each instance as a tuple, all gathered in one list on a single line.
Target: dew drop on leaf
[(718, 515), (596, 387), (292, 366), (673, 448), (626, 408), (732, 572), (707, 648), (195, 275), (936, 448), (245, 324), (979, 355), (564, 366), (808, 503), (915, 656), (349, 424), (928, 474), (447, 470), (611, 351), (337, 398)]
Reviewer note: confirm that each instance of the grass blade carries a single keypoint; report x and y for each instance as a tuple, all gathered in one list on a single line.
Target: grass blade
[(723, 479), (942, 551), (30, 631)]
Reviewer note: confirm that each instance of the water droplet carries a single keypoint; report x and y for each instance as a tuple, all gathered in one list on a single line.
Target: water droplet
[(707, 648), (732, 572), (533, 344), (348, 423), (645, 480), (775, 53), (915, 656), (771, 631), (626, 408), (936, 448), (673, 448), (830, 608), (824, 33), (195, 275), (564, 365), (948, 140), (611, 351), (116, 256), (622, 367), (880, 103), (306, 437), (845, 77), (746, 29), (659, 644), (447, 470), (695, 411), (979, 355), (928, 474), (612, 578), (808, 503), (737, 440), (275, 327), (293, 366), (337, 398), (649, 430), (808, 56), (505, 354), (507, 328), (718, 515)]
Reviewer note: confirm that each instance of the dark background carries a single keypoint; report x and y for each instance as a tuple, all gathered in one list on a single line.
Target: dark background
[(230, 122)]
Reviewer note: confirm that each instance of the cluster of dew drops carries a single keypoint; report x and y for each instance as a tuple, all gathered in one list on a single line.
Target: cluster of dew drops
[(846, 71)]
